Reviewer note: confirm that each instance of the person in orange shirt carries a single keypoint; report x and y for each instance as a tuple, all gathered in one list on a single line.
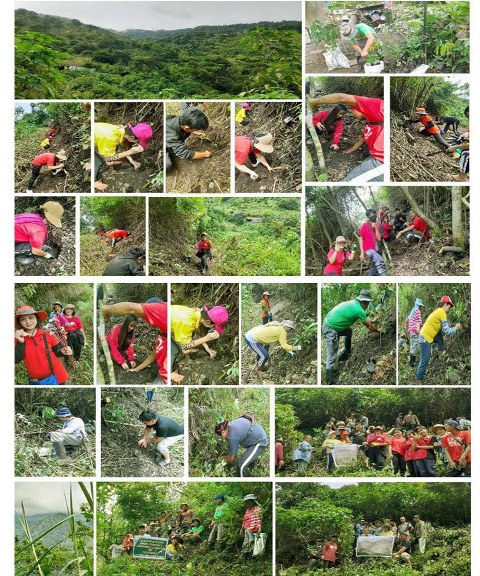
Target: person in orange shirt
[(429, 126)]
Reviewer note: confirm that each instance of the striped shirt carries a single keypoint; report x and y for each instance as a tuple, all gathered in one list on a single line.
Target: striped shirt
[(252, 519)]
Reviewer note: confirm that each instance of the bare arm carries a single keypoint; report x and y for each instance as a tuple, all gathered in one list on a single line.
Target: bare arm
[(339, 98), (407, 229), (358, 144)]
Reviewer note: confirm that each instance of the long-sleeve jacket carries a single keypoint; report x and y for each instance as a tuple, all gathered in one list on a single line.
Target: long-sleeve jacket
[(175, 138)]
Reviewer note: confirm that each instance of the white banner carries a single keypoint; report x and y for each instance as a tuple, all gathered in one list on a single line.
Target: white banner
[(344, 455), (375, 546)]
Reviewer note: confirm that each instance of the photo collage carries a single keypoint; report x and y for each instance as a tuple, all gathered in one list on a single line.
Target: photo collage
[(242, 288)]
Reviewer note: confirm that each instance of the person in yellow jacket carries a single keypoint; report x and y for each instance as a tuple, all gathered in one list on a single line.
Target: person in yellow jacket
[(259, 337), (108, 137), (432, 333), (185, 321)]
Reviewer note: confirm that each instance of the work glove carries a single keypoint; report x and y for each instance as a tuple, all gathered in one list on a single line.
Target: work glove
[(48, 256), (292, 354), (298, 347)]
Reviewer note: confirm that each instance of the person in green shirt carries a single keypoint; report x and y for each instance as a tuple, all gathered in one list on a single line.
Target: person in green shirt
[(338, 322), (196, 533), (216, 536), (362, 37)]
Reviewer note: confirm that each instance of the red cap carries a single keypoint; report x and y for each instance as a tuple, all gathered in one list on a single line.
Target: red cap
[(447, 300)]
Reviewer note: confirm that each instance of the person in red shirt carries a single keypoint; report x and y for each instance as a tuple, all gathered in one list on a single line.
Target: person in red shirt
[(113, 237), (369, 110), (279, 451), (53, 161), (337, 257), (330, 123), (329, 553), (377, 443), (457, 446), (397, 446), (159, 358), (424, 455), (251, 525), (38, 349), (387, 229), (429, 126), (31, 230), (253, 149), (121, 340), (416, 229), (75, 332), (409, 454), (128, 544), (204, 247), (369, 239)]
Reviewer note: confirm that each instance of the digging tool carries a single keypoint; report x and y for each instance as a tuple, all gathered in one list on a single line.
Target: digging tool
[(435, 153)]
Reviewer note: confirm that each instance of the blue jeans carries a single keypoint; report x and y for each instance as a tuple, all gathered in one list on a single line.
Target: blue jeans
[(261, 352), (425, 353), (426, 467), (377, 263)]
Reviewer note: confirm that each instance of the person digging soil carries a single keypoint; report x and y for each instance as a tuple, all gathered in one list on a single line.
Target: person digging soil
[(54, 162)]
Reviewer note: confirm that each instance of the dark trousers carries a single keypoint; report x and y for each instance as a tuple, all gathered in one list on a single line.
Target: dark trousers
[(23, 248), (98, 162), (412, 469), (399, 465), (376, 457), (248, 459), (174, 352), (426, 467), (75, 341), (34, 176), (437, 137), (452, 472)]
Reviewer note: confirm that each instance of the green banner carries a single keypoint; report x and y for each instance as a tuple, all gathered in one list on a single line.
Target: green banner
[(150, 548)]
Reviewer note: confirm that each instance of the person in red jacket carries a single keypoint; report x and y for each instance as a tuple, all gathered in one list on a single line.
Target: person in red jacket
[(38, 349), (204, 252), (429, 126), (416, 229), (121, 342), (329, 553), (409, 454), (369, 110), (330, 123), (253, 149), (113, 237), (53, 161)]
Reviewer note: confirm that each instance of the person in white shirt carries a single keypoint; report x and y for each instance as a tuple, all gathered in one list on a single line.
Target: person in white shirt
[(72, 433), (116, 549)]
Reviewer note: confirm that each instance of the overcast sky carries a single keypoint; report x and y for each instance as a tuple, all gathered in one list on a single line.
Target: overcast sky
[(167, 15), (44, 498)]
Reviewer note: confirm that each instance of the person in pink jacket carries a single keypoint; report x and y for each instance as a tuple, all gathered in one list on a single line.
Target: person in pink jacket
[(120, 342)]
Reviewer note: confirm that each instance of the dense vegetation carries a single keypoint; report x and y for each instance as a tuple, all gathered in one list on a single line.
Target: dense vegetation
[(72, 122), (103, 214), (35, 416), (59, 58), (207, 449), (454, 366), (41, 296), (341, 211), (307, 511), (411, 33), (249, 236), (121, 507), (307, 411), (373, 357), (297, 302), (55, 543)]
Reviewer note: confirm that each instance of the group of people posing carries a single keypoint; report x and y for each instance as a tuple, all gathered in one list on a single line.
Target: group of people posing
[(185, 529), (387, 225), (438, 450)]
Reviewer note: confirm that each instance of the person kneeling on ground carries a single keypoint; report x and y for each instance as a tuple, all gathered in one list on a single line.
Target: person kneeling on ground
[(31, 231), (369, 110), (72, 433), (404, 543), (121, 340), (338, 322), (55, 163), (108, 137), (243, 432), (253, 148), (191, 122), (330, 124), (259, 337), (167, 432), (464, 147), (417, 229), (429, 126), (132, 263)]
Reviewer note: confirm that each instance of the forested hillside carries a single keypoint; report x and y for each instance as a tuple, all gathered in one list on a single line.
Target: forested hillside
[(60, 58)]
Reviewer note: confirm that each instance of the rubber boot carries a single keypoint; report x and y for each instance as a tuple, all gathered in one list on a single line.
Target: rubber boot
[(344, 356), (330, 376), (61, 453), (413, 360)]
